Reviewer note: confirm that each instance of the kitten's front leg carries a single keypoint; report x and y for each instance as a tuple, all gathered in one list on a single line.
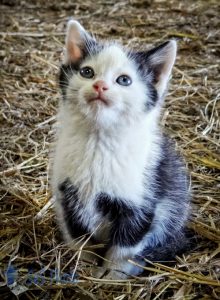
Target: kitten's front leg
[(126, 238), (117, 262), (73, 220)]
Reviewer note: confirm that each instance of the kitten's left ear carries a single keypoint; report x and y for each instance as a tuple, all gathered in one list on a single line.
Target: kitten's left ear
[(160, 61), (76, 38)]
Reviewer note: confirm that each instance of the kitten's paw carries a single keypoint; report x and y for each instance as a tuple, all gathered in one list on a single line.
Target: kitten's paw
[(88, 257), (108, 274), (114, 275), (98, 272)]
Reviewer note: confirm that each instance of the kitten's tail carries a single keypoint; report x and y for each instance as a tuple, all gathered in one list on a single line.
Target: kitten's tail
[(165, 253)]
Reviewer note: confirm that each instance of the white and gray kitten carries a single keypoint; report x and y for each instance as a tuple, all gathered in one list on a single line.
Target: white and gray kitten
[(116, 177)]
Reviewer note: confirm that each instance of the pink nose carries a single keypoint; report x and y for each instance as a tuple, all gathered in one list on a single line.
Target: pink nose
[(100, 86)]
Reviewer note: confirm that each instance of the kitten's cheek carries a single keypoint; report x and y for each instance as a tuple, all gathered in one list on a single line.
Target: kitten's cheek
[(82, 98), (118, 105)]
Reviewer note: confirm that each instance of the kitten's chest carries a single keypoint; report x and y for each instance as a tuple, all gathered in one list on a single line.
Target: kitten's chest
[(96, 167)]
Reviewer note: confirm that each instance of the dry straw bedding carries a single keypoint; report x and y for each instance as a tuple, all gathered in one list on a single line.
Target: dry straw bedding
[(31, 41)]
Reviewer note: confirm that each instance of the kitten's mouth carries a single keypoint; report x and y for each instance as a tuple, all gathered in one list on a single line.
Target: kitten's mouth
[(98, 99)]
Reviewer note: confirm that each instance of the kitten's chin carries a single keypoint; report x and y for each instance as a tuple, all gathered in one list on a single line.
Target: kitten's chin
[(103, 119), (99, 115)]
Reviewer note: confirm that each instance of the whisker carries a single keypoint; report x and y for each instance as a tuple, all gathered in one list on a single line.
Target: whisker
[(63, 83), (66, 74), (72, 70)]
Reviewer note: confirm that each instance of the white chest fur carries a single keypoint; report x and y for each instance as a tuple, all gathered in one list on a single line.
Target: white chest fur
[(110, 161)]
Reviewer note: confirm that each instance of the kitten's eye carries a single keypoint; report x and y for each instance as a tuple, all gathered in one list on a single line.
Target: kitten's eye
[(87, 72), (124, 80)]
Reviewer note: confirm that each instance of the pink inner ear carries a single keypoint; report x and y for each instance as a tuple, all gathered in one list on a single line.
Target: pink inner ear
[(73, 52)]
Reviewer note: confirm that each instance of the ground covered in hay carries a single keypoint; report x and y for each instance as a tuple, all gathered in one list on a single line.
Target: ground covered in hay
[(34, 263)]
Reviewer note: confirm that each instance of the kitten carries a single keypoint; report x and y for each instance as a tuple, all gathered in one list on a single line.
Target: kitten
[(116, 178)]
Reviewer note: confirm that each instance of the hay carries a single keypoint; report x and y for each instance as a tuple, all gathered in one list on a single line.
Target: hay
[(31, 37)]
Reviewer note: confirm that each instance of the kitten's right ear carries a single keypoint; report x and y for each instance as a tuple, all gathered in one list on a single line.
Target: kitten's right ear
[(76, 37)]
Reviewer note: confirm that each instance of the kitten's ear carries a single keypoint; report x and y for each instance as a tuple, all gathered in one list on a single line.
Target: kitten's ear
[(161, 61), (76, 37)]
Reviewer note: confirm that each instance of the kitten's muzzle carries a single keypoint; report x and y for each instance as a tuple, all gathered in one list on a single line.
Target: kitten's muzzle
[(99, 98), (100, 87)]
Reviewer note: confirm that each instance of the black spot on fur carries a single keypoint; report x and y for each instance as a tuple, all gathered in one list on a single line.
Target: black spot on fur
[(129, 230), (153, 97), (66, 72), (71, 209), (112, 208), (129, 224)]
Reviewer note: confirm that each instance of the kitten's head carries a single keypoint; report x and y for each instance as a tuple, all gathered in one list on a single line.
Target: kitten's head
[(109, 85)]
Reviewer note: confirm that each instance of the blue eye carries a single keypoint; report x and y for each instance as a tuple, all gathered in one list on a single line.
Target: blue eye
[(124, 80), (87, 72)]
